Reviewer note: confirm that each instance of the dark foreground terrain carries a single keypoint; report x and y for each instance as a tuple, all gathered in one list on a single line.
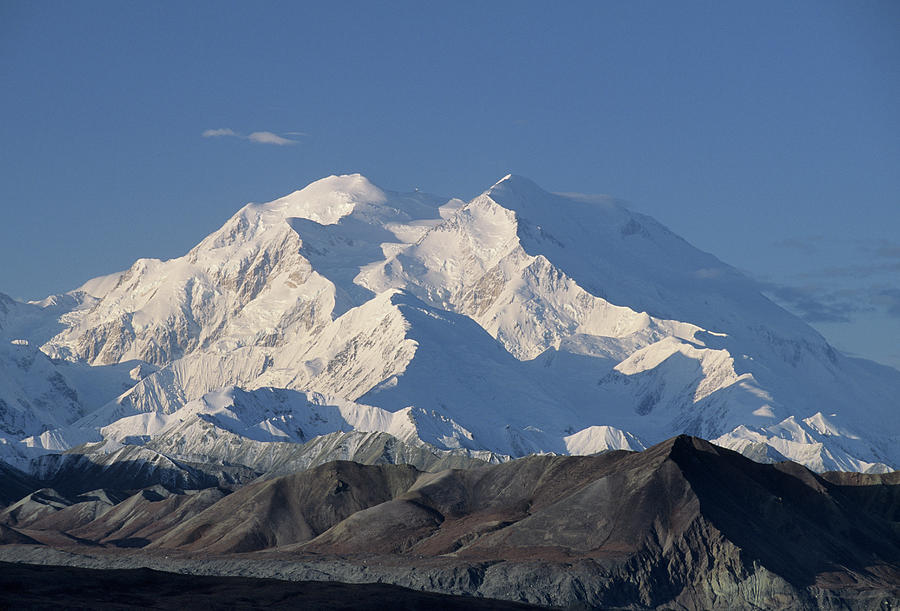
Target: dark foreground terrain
[(25, 586), (683, 525)]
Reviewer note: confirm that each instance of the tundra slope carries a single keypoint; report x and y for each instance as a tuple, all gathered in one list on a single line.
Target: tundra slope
[(684, 524), (519, 322)]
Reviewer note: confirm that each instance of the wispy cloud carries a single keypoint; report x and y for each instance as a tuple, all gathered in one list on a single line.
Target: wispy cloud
[(816, 304), (857, 271), (216, 133), (864, 281), (889, 299), (816, 244), (270, 138), (263, 137)]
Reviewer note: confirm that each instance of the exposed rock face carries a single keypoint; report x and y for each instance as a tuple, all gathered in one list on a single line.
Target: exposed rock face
[(684, 524)]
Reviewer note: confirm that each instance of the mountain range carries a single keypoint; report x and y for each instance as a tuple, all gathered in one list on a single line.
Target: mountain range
[(345, 320), (681, 525)]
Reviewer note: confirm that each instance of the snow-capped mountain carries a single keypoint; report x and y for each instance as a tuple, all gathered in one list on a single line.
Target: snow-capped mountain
[(521, 321)]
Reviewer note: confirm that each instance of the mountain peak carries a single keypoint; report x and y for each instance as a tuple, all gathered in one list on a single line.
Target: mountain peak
[(329, 199)]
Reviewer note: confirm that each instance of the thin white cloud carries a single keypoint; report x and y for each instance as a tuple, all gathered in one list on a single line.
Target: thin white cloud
[(269, 138), (215, 133), (262, 137)]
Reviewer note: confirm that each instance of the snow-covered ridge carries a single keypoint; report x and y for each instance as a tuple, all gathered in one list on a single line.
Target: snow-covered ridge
[(328, 200), (520, 321)]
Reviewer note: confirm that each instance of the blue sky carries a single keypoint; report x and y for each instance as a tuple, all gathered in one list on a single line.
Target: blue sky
[(767, 133)]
